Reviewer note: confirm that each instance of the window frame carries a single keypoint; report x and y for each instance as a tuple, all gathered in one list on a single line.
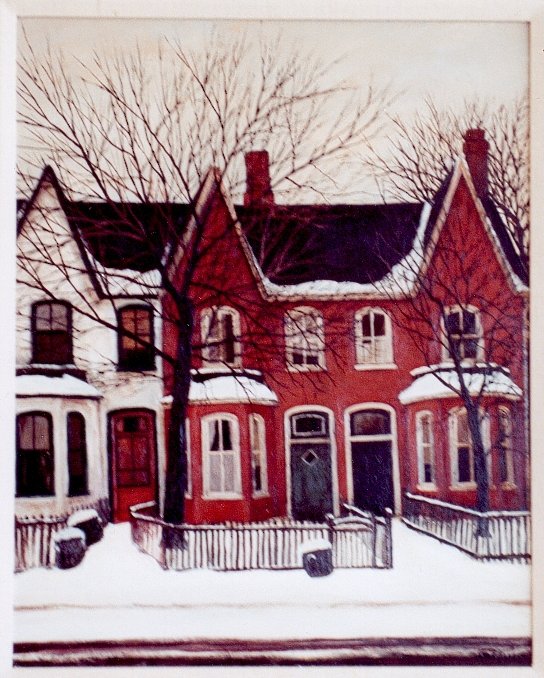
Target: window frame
[(420, 447), (36, 357), (71, 492), (462, 337), (50, 452), (297, 341), (454, 464), (258, 450), (360, 362), (507, 450), (207, 492), (146, 353), (218, 313)]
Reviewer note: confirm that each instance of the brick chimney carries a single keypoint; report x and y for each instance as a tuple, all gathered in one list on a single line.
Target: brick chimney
[(258, 189), (475, 149)]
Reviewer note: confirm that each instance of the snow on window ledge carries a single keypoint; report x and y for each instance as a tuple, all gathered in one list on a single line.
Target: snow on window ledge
[(426, 487), (469, 485), (360, 367), (222, 496), (305, 368)]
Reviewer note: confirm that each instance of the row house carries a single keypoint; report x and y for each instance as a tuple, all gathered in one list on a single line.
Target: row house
[(328, 380)]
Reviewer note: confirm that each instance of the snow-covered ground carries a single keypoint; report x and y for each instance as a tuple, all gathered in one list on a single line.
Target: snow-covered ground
[(119, 593)]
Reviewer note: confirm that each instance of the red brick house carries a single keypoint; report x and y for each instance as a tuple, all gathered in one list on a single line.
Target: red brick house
[(328, 380), (314, 387)]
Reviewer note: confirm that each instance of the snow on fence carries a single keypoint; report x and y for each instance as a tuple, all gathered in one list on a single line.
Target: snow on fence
[(34, 535), (270, 545), (501, 535)]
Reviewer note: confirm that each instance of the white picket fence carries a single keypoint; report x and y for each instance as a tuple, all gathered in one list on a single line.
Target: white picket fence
[(494, 535), (270, 545)]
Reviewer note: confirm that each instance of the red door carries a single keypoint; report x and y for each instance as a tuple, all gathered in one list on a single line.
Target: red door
[(133, 461)]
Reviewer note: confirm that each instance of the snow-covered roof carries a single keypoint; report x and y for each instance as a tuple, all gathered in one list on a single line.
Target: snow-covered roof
[(438, 382), (28, 385), (229, 389)]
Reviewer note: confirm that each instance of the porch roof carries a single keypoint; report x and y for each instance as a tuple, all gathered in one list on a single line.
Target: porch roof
[(29, 385)]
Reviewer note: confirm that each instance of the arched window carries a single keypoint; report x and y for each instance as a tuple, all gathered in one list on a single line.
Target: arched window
[(136, 350), (304, 339), (52, 333), (373, 340), (257, 439), (425, 448), (504, 446), (220, 329), (463, 333), (35, 455), (221, 450), (77, 455)]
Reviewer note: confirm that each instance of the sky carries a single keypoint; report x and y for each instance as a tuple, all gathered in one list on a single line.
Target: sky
[(451, 62)]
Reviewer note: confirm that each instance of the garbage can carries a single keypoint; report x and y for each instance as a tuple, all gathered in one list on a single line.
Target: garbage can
[(88, 521), (70, 547), (317, 557)]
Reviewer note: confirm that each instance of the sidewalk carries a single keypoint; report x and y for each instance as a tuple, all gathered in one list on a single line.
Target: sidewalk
[(120, 594)]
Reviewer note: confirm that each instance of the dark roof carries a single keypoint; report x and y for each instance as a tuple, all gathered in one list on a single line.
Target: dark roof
[(355, 243), (126, 235)]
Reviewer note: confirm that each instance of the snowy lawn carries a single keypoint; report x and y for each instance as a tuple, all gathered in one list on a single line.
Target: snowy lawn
[(119, 593)]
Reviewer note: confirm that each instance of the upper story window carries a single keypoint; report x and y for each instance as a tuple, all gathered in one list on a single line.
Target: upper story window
[(257, 439), (220, 328), (52, 332), (373, 338), (136, 338), (304, 339), (77, 455), (463, 333), (425, 448), (221, 450), (35, 455)]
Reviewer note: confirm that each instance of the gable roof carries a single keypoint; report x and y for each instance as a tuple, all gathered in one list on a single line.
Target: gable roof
[(333, 249)]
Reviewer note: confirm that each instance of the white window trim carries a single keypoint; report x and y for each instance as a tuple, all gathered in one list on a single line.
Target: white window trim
[(480, 353), (235, 435), (219, 312), (360, 362), (510, 482), (421, 482), (261, 451), (453, 450), (291, 337)]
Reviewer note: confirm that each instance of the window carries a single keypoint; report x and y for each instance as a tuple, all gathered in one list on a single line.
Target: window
[(52, 333), (370, 423), (463, 333), (425, 448), (462, 456), (221, 456), (220, 327), (35, 466), (504, 445), (257, 439), (304, 339), (77, 455), (373, 338), (136, 349), (309, 425)]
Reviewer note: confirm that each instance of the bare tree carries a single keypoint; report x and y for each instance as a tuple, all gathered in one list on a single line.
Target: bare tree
[(132, 138), (419, 154)]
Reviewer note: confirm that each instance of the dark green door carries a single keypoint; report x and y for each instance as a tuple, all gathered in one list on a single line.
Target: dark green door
[(311, 480), (372, 475)]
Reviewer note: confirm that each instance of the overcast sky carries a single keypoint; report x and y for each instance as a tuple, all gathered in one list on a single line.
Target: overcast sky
[(451, 62)]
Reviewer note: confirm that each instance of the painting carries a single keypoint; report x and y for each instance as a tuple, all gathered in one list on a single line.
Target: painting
[(272, 364)]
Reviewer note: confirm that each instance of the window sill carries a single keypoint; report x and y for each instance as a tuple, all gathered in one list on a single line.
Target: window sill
[(361, 367), (306, 368), (222, 497), (508, 485), (260, 495), (459, 487), (427, 487), (132, 368)]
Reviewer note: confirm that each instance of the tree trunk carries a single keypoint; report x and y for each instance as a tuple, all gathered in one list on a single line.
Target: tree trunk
[(480, 463), (176, 452)]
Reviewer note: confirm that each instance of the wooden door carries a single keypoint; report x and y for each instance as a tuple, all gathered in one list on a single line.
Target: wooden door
[(372, 475), (311, 481), (133, 461)]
